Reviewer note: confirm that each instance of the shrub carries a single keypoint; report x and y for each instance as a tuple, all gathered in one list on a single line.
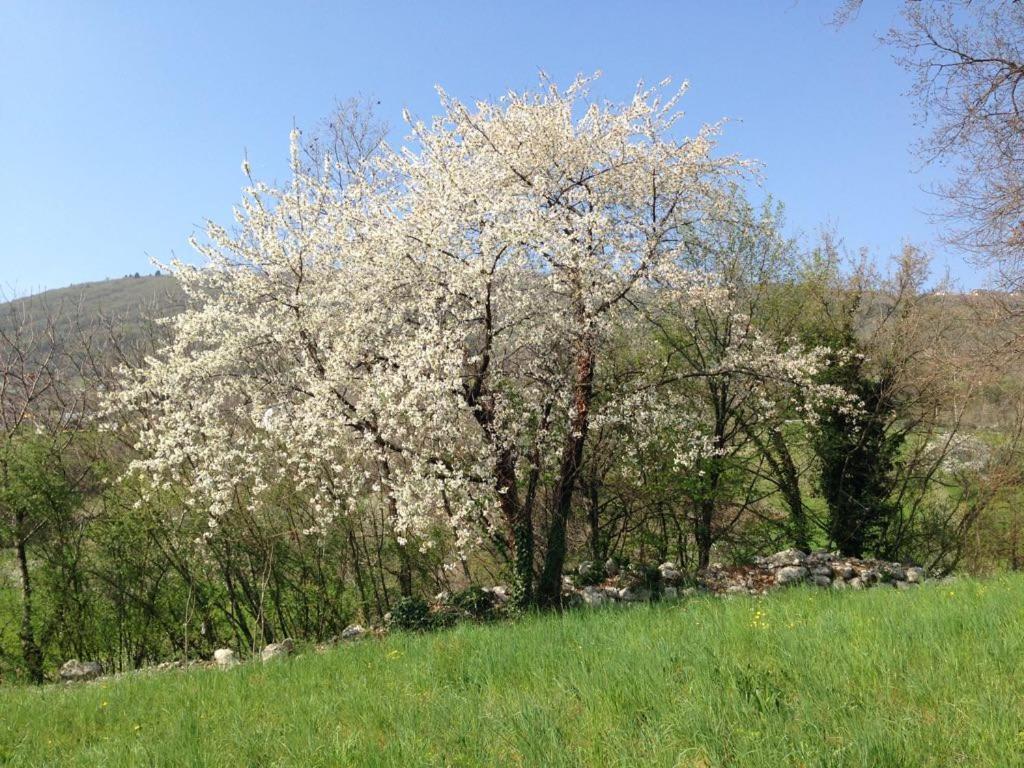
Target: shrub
[(412, 613), (475, 603)]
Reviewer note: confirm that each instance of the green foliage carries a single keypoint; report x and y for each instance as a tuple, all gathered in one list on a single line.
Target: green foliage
[(926, 677), (475, 603), (412, 614), (858, 455)]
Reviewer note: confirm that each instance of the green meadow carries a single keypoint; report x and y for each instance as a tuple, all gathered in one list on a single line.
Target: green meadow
[(927, 677)]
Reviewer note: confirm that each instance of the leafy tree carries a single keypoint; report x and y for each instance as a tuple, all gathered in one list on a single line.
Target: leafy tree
[(858, 457)]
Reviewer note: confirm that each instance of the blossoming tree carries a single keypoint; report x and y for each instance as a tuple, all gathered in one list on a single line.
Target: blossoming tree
[(429, 336)]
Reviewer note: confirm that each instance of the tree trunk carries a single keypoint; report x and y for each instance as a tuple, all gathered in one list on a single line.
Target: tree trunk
[(519, 519), (549, 591), (703, 533), (30, 651), (789, 484)]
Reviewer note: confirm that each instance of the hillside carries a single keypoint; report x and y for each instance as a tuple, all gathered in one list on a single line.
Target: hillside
[(926, 677), (128, 297)]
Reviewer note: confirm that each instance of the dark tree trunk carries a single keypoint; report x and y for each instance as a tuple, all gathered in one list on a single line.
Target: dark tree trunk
[(549, 591), (789, 484), (30, 651), (519, 519), (703, 532)]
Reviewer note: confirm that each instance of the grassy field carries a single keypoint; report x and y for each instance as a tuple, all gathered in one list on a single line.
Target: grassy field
[(930, 677)]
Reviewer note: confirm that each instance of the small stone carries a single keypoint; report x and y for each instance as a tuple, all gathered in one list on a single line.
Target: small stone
[(916, 574), (593, 596), (225, 657), (73, 670), (353, 632), (791, 574), (821, 581), (277, 650)]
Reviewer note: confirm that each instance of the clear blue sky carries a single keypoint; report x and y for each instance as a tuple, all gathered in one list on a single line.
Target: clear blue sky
[(123, 125)]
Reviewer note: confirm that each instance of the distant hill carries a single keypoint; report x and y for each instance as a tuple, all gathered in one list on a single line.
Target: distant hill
[(122, 308), (129, 298)]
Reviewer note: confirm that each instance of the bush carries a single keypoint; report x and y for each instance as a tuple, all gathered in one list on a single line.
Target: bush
[(412, 613), (476, 603)]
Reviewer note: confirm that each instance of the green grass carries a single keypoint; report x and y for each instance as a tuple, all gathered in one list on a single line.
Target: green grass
[(931, 677)]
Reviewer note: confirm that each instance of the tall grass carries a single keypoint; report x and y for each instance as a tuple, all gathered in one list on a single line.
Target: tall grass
[(928, 677)]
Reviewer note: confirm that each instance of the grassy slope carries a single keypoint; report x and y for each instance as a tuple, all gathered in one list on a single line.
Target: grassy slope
[(931, 677), (110, 297)]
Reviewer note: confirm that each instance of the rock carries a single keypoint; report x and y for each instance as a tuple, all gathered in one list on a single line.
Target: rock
[(737, 589), (821, 581), (857, 583), (822, 570), (787, 557), (224, 658), (611, 568), (277, 650), (593, 596), (790, 574), (843, 571), (894, 572), (353, 632), (669, 593), (916, 575), (689, 592), (839, 584), (612, 593), (670, 573), (904, 585), (73, 670), (631, 595)]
